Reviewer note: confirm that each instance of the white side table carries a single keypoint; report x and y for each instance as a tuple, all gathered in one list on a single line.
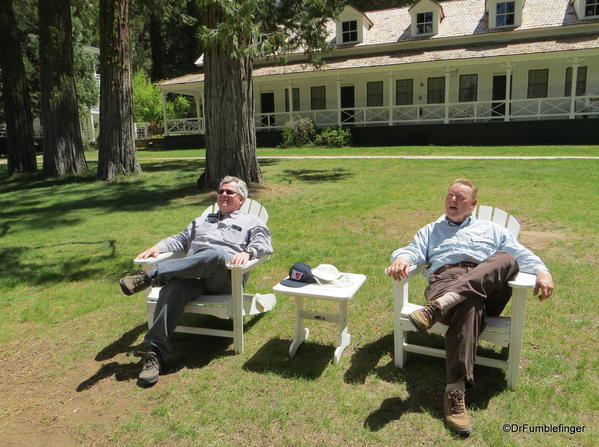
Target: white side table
[(322, 292)]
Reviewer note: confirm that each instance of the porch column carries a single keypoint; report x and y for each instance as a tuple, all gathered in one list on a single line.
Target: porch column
[(575, 65), (338, 101), (93, 131), (198, 100), (447, 79), (508, 92), (390, 99), (290, 99), (163, 96)]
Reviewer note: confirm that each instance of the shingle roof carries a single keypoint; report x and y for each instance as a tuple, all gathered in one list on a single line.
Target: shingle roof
[(418, 56), (462, 18)]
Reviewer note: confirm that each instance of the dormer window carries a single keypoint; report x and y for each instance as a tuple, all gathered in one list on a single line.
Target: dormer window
[(349, 31), (426, 17), (351, 26), (506, 13), (591, 8), (424, 22)]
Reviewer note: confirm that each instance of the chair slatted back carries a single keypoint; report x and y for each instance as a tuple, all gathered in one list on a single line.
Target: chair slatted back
[(250, 206), (499, 216)]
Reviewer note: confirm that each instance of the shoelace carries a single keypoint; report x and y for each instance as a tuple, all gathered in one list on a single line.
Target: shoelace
[(151, 362), (456, 401)]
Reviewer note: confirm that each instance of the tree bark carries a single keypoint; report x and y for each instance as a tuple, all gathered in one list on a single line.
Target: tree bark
[(63, 147), (229, 115), (19, 129), (116, 140)]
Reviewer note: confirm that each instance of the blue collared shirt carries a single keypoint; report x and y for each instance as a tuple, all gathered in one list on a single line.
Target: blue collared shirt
[(442, 242)]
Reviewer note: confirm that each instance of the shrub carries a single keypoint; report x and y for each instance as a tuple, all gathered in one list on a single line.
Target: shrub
[(333, 137), (298, 133)]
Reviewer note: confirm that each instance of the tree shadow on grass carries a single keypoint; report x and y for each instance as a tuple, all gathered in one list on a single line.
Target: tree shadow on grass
[(308, 363), (318, 175), (424, 378), (43, 269), (189, 351), (39, 207)]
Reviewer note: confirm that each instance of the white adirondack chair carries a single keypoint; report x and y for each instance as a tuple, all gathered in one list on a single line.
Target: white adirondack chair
[(234, 306), (503, 331)]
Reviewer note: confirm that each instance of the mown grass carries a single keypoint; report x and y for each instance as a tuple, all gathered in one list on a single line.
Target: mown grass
[(569, 151), (65, 329)]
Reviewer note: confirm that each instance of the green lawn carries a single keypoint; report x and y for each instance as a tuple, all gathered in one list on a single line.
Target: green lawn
[(67, 378), (571, 151)]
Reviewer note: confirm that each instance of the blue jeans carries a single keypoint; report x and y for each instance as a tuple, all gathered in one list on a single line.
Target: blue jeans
[(182, 280)]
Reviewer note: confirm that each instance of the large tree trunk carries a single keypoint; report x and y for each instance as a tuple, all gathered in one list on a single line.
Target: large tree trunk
[(21, 150), (63, 148), (116, 141), (229, 115)]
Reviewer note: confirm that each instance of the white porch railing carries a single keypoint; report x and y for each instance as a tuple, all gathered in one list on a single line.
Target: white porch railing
[(184, 126), (479, 111)]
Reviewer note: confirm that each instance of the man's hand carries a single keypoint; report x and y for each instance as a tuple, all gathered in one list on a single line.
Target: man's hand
[(543, 284), (240, 258), (398, 269), (151, 252)]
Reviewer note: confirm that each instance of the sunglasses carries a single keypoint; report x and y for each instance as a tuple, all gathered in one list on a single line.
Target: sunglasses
[(228, 192)]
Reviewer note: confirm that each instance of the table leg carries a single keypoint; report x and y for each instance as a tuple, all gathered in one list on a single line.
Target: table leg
[(301, 332), (344, 336)]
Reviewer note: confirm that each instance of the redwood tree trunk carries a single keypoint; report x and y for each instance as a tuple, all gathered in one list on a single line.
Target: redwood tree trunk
[(63, 148), (229, 115), (116, 140), (20, 150)]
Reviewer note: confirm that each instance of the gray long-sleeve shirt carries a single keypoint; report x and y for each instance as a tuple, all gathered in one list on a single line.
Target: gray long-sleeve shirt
[(442, 242), (236, 232)]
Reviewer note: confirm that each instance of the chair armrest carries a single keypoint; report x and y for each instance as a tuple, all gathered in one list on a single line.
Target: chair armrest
[(248, 265), (150, 261), (412, 271), (523, 281)]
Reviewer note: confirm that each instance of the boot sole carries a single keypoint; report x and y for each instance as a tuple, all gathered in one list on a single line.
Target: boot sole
[(124, 288)]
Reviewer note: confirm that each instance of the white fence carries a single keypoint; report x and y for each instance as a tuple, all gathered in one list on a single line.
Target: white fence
[(479, 111)]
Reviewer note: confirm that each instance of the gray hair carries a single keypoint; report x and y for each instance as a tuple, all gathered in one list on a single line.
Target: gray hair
[(242, 188)]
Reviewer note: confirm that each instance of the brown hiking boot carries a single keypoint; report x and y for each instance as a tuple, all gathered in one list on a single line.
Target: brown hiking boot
[(135, 283), (456, 415), (151, 369), (423, 319)]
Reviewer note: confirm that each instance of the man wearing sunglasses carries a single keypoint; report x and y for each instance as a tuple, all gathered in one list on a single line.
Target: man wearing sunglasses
[(229, 236)]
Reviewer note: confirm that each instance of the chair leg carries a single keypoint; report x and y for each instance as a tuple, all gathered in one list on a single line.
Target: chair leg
[(237, 310), (516, 333)]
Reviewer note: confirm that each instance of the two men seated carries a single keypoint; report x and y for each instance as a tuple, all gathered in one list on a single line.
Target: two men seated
[(469, 263)]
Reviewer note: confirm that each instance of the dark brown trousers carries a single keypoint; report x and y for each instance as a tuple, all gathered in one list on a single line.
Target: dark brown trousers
[(485, 287)]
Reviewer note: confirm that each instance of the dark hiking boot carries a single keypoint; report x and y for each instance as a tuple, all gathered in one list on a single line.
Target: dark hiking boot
[(423, 319), (135, 283), (151, 369), (456, 415)]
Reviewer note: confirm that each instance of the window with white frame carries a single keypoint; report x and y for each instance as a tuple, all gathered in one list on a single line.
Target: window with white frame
[(581, 81), (295, 93), (404, 92), (591, 8), (435, 90), (374, 94), (538, 82), (349, 31), (424, 22), (468, 88), (505, 15), (318, 97)]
